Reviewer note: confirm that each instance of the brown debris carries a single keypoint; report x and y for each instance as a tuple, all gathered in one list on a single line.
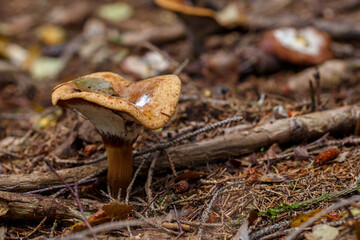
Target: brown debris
[(181, 186), (252, 175), (326, 155)]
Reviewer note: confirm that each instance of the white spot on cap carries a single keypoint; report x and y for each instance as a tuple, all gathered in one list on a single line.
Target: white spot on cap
[(306, 41), (142, 100)]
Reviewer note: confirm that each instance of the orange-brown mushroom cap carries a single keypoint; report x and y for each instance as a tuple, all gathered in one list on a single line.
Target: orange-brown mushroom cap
[(228, 17), (181, 7), (150, 102), (299, 46)]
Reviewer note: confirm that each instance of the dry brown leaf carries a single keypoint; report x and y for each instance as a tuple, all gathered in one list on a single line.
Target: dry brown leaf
[(301, 153), (253, 215), (304, 217), (113, 210), (273, 150), (89, 149), (271, 178), (189, 176), (252, 175)]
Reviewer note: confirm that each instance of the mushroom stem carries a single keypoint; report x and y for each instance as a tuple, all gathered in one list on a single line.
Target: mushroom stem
[(119, 166)]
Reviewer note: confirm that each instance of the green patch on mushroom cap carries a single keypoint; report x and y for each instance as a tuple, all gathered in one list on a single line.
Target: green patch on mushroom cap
[(98, 85)]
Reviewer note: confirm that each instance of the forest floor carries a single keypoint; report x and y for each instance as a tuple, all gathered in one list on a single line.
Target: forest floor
[(290, 165)]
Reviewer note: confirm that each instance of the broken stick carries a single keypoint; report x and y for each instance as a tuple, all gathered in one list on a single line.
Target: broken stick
[(340, 120), (22, 207), (28, 182)]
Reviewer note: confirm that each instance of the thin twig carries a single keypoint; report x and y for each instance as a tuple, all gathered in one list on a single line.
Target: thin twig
[(171, 162), (76, 195), (37, 227), (98, 159), (75, 161), (104, 228), (149, 177), (268, 230), (154, 224), (61, 186), (96, 173), (172, 165), (181, 67), (82, 209), (162, 146), (312, 95), (11, 154), (199, 223), (154, 48), (181, 231), (156, 196), (128, 190), (317, 88), (51, 235)]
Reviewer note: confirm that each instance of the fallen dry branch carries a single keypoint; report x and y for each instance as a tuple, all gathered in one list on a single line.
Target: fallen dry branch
[(27, 207), (306, 127), (27, 182)]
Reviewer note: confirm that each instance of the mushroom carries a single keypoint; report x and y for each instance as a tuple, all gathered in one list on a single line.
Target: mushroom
[(199, 21), (304, 46), (186, 7), (119, 109), (203, 18)]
